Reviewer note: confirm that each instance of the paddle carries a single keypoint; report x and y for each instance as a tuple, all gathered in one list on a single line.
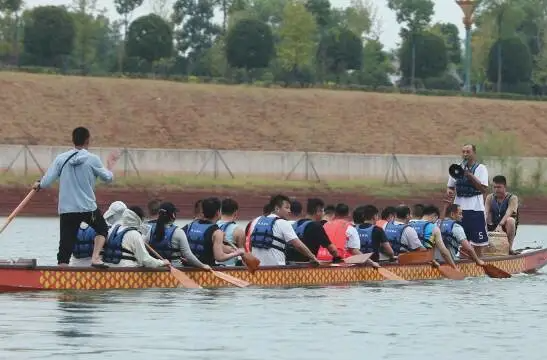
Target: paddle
[(362, 258), (18, 209), (491, 270), (251, 261), (182, 278), (231, 279), (448, 271)]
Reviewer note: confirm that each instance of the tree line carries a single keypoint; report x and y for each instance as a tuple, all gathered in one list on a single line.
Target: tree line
[(301, 42)]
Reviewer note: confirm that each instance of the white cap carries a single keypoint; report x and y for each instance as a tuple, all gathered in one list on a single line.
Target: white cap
[(116, 209)]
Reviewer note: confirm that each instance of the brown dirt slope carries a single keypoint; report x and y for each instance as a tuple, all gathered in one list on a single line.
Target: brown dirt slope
[(43, 109)]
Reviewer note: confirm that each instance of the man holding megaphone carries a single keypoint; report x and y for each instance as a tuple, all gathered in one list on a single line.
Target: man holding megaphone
[(467, 184)]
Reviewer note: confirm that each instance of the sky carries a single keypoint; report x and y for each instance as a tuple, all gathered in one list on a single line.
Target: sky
[(445, 11)]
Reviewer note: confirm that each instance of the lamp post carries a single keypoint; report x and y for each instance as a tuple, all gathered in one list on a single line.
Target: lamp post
[(468, 7)]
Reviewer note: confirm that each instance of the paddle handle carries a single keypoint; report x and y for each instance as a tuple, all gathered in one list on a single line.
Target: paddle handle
[(153, 251), (18, 209)]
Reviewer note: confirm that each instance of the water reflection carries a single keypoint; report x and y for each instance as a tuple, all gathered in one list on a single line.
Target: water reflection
[(76, 314)]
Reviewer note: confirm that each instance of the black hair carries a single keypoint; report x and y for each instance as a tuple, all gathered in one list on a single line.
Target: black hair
[(359, 215), (418, 210), (402, 211), (500, 180), (329, 209), (229, 206), (210, 207), (369, 212), (154, 207), (387, 212), (314, 204), (450, 209), (137, 210), (431, 210), (341, 210), (296, 207), (80, 135), (278, 200), (198, 207), (267, 209)]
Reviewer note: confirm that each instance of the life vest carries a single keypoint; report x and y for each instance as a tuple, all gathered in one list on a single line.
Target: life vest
[(262, 236), (449, 239), (394, 233), (336, 231), (201, 247), (165, 246), (85, 240), (365, 235), (420, 227), (300, 227), (224, 226), (464, 188), (113, 250), (498, 210)]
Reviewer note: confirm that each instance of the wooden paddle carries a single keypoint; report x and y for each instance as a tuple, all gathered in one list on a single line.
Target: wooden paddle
[(251, 261), (231, 279), (491, 270), (18, 209), (182, 278), (362, 258), (448, 271)]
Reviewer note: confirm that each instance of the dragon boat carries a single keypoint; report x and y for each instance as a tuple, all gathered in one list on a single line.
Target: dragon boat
[(25, 275)]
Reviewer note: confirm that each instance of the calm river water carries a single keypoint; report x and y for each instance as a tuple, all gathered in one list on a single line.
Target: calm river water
[(471, 319)]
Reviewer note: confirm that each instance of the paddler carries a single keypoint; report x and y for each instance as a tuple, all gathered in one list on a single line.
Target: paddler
[(454, 235), (83, 248), (309, 230), (77, 171), (169, 240), (328, 214), (403, 238), (296, 212), (387, 215), (467, 192), (372, 237), (125, 247), (234, 234), (266, 210), (342, 234), (502, 210), (198, 214), (206, 239), (270, 234)]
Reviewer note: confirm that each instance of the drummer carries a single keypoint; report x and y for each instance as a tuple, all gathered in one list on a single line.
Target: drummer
[(467, 191)]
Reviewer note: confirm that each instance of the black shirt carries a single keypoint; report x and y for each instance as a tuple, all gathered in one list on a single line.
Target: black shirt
[(314, 237), (378, 238)]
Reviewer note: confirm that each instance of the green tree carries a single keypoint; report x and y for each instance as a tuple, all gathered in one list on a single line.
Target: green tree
[(358, 17), (430, 54), (451, 36), (87, 32), (149, 38), (321, 10), (344, 50), (49, 35), (125, 8), (10, 26), (376, 65), (517, 61), (297, 46), (249, 44)]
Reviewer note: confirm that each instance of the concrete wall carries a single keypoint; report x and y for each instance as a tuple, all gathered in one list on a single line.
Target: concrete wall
[(20, 159)]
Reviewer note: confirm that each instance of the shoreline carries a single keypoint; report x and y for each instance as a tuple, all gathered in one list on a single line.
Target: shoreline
[(44, 203)]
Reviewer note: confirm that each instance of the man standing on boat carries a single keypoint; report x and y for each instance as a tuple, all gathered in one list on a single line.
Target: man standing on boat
[(501, 210), (467, 192), (77, 171)]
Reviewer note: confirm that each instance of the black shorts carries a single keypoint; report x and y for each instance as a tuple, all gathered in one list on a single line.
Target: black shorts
[(69, 225)]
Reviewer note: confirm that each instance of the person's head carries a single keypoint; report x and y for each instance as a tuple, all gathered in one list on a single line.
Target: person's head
[(211, 208), (137, 210), (499, 185), (315, 209), (469, 153), (229, 207), (154, 207), (358, 215), (166, 215), (281, 206), (267, 209), (431, 213), (198, 212), (341, 210), (296, 208), (402, 213), (80, 137), (417, 211), (114, 212), (329, 212), (454, 212), (388, 213), (370, 213)]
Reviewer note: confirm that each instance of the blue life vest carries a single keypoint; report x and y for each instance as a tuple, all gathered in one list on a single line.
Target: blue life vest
[(448, 237), (85, 240), (299, 229), (164, 247), (498, 210), (113, 250), (394, 233), (464, 188), (365, 235), (201, 247), (420, 227), (262, 236)]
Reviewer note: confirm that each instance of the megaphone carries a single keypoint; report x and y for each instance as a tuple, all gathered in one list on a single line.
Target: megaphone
[(456, 171)]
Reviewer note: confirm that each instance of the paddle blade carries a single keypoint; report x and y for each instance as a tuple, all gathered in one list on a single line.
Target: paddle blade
[(358, 259), (495, 272), (231, 279), (451, 273), (183, 279), (251, 261), (389, 275)]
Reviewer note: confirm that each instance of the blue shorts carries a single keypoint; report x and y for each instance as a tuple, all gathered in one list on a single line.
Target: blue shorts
[(474, 225)]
